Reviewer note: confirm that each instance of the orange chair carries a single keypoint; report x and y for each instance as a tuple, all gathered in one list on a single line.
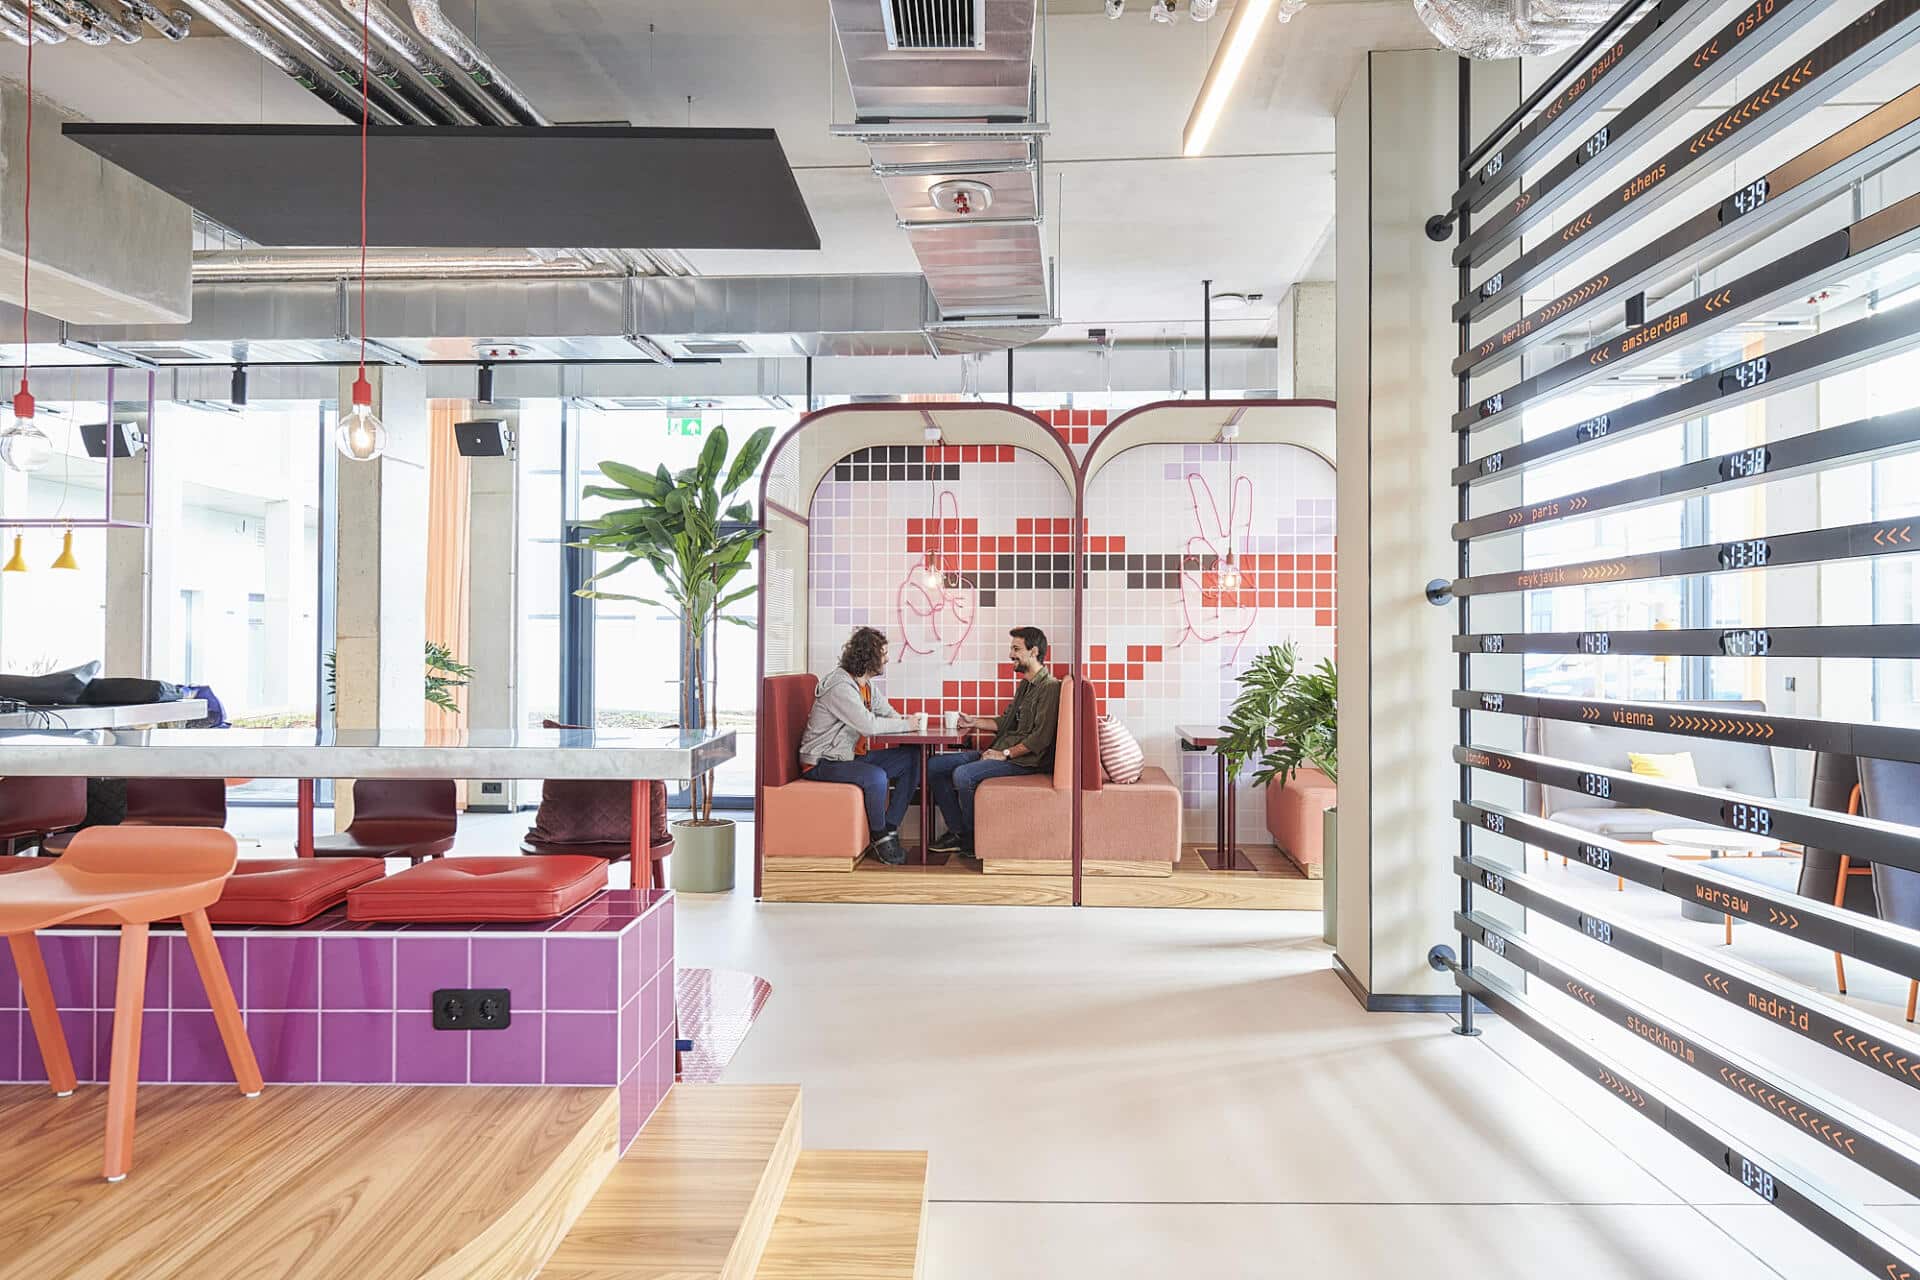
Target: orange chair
[(131, 878)]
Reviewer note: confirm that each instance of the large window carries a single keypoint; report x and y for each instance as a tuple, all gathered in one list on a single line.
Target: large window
[(51, 618)]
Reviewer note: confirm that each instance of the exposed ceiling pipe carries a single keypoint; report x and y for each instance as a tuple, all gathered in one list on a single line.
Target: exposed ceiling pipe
[(381, 99), (13, 25), (451, 41), (100, 19), (427, 104), (391, 264), (174, 26), (406, 46), (1512, 28), (229, 20), (68, 22)]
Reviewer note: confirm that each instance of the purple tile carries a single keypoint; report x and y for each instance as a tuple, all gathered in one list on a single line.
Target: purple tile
[(356, 973), (287, 1045), (511, 1055), (106, 971), (356, 1048), (422, 966), (631, 1037), (78, 1024), (188, 993), (199, 1057), (425, 1056), (13, 1025), (69, 961), (629, 964), (518, 964), (581, 1048), (9, 982), (583, 974), (282, 973), (153, 1046)]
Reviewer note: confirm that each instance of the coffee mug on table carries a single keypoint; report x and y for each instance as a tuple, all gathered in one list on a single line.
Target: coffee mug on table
[(920, 722), (951, 720)]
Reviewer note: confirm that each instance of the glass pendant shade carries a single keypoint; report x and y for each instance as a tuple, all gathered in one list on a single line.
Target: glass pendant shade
[(1229, 574), (65, 559), (23, 446), (930, 574), (18, 564), (360, 435)]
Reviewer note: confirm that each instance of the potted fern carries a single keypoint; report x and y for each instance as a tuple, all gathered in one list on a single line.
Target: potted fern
[(698, 540)]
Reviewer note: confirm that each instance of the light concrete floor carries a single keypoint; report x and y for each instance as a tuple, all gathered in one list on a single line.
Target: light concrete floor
[(1133, 1094)]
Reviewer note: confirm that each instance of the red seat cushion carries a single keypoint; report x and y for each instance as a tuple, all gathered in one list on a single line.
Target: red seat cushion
[(290, 890), (477, 889), (13, 862)]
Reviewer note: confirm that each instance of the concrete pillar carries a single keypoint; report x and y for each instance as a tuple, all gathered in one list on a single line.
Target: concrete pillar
[(289, 620), (380, 618), (493, 608), (141, 593), (1313, 340), (1396, 158)]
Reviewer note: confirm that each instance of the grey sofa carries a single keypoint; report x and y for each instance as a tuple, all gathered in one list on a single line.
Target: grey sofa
[(1745, 767)]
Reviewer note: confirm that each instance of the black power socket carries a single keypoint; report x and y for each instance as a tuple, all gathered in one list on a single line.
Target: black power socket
[(472, 1009)]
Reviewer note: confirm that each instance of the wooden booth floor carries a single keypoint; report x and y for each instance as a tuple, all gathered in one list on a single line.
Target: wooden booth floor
[(324, 1181), (1275, 885)]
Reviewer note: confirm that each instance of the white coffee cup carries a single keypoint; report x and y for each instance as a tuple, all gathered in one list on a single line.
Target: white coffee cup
[(920, 721), (951, 720)]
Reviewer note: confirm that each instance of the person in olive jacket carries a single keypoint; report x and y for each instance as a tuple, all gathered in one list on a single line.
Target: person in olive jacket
[(1022, 743), (834, 747)]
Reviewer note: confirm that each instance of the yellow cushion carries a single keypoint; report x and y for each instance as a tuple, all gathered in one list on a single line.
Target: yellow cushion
[(1677, 767)]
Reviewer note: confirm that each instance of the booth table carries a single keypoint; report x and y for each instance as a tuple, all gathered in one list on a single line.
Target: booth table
[(929, 742), (637, 756), (1225, 854)]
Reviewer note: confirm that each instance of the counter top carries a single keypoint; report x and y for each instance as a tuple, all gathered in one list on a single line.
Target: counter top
[(623, 754), (84, 717)]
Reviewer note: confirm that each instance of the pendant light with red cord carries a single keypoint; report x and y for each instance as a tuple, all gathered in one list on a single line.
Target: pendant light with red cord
[(23, 446), (361, 435)]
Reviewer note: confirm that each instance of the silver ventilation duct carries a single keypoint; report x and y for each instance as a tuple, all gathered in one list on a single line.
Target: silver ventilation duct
[(307, 47), (948, 106), (173, 25), (454, 45), (65, 20), (13, 25), (1512, 28), (232, 22), (427, 104), (396, 36)]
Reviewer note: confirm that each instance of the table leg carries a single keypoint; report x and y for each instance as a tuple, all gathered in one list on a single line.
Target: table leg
[(926, 823), (303, 842), (640, 848)]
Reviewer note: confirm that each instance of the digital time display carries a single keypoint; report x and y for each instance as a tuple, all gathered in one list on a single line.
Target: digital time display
[(1597, 929), (1751, 818), (1746, 464), (1597, 785), (1493, 644), (1495, 823), (1494, 881), (1493, 404), (1596, 857), (1593, 428), (1749, 553), (1745, 200), (1493, 702), (1592, 148), (1491, 464), (1493, 167), (1746, 375), (1493, 942), (1496, 282), (1756, 1179), (1596, 642), (1749, 642)]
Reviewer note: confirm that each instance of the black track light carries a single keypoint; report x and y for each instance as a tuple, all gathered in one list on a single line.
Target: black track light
[(239, 396), (486, 384)]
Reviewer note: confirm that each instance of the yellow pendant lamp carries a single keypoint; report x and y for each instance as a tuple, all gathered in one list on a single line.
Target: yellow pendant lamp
[(65, 559), (19, 562)]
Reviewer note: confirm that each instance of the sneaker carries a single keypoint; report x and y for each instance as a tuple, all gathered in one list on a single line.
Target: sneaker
[(948, 843), (886, 848)]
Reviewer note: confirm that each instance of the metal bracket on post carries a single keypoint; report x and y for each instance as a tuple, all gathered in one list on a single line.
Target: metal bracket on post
[(1440, 228), (1440, 592), (1441, 959)]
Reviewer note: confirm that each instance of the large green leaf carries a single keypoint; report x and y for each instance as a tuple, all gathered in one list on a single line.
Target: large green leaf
[(713, 456), (642, 484), (607, 491), (614, 569), (747, 461)]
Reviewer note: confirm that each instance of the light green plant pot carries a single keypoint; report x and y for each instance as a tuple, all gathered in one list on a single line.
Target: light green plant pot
[(1329, 877), (703, 857)]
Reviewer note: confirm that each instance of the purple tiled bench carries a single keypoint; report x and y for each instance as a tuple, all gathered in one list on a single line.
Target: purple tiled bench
[(343, 1002)]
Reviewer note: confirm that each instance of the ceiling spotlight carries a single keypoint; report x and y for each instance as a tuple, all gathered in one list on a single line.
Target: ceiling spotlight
[(1162, 11), (484, 393), (1115, 8), (1230, 303), (238, 397), (1201, 10)]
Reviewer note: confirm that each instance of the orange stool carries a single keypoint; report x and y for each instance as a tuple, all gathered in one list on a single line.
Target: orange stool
[(130, 877)]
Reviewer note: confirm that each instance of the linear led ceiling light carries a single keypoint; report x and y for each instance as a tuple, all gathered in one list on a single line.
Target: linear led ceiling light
[(1249, 17)]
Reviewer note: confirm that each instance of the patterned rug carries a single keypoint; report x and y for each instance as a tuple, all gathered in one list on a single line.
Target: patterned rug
[(717, 1009)]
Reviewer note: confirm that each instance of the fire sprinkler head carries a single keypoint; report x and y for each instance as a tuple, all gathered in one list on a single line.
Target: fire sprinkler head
[(963, 196)]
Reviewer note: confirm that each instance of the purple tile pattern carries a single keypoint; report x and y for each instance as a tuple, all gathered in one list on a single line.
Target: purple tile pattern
[(592, 1004)]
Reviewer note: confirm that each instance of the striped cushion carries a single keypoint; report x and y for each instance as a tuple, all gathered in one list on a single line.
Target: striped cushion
[(1120, 754)]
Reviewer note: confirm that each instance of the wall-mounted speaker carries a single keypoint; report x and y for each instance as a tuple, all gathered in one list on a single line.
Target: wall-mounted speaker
[(127, 439), (485, 438)]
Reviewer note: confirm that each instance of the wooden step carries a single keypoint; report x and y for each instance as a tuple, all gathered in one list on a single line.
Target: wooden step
[(850, 1215), (695, 1196)]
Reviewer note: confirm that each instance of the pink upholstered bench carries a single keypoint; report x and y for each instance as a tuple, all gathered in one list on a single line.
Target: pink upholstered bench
[(803, 826), (1293, 816), (290, 891), (1024, 826)]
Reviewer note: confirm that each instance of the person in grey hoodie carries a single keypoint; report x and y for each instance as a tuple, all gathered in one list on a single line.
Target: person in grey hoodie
[(847, 712)]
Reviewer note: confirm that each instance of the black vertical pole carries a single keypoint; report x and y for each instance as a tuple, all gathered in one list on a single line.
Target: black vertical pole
[(1464, 226), (810, 405), (1206, 339), (1009, 375)]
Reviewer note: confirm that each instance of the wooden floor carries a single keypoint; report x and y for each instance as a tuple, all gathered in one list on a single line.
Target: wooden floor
[(1276, 885), (850, 1215), (323, 1181)]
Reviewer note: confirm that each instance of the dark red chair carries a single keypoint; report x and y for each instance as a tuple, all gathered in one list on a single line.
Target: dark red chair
[(595, 818), (32, 809), (413, 818), (166, 802)]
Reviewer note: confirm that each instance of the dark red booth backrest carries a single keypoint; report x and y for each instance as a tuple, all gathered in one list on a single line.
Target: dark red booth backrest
[(421, 800), (789, 703), (37, 806), (177, 802)]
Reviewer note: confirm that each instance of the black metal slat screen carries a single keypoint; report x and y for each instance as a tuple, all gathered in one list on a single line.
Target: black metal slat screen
[(1552, 194)]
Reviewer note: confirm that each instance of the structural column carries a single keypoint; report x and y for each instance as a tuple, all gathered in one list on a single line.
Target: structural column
[(1397, 151), (379, 613), (493, 612)]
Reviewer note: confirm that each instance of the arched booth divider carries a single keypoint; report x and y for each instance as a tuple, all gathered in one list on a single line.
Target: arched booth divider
[(856, 498)]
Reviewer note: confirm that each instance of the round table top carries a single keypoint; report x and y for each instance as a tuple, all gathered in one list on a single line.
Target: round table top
[(1715, 839)]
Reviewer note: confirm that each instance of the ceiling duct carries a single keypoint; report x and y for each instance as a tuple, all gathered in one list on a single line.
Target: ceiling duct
[(1512, 28), (946, 97)]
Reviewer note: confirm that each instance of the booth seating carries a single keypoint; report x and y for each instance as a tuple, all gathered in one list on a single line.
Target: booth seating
[(112, 876), (1024, 826), (1294, 818), (165, 802), (804, 826), (290, 891), (476, 890), (413, 818), (1130, 829), (1890, 792), (32, 809), (595, 818)]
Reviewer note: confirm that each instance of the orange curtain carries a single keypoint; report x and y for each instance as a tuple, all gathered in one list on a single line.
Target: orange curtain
[(448, 548)]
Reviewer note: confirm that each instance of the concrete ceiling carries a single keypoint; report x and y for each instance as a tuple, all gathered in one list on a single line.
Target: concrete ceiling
[(1135, 226)]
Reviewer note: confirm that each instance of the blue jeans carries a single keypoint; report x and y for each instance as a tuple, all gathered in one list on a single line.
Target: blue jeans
[(873, 773), (954, 777)]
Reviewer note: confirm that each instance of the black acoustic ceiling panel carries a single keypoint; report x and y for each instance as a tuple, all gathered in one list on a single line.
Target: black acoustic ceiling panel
[(581, 186)]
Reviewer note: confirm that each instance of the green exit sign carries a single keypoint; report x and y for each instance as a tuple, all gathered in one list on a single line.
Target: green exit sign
[(684, 424)]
